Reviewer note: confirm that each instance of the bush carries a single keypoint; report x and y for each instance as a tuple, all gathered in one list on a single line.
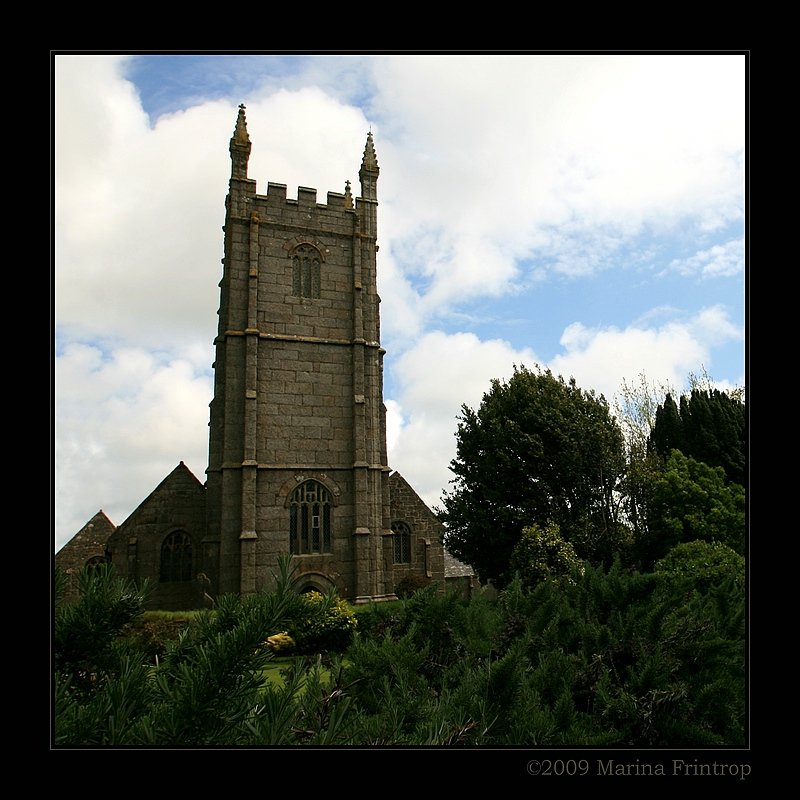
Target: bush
[(379, 620), (325, 626), (86, 632), (542, 554), (611, 659), (410, 584), (703, 564), (153, 632)]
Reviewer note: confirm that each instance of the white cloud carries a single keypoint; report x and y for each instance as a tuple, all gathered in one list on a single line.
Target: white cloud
[(561, 166), (434, 378), (594, 148), (123, 421), (721, 260), (394, 423), (139, 240), (601, 359), (442, 372)]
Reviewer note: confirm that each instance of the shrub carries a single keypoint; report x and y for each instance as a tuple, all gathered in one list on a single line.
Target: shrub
[(152, 633), (542, 554), (388, 686), (326, 625), (378, 620), (410, 584), (703, 564), (280, 643), (86, 632)]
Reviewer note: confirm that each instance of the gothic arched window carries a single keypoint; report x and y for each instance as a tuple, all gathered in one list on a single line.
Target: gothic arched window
[(310, 519), (402, 543), (96, 562), (176, 557), (305, 271)]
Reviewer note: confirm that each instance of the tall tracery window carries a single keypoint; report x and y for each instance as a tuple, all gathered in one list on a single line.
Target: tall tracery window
[(176, 557), (305, 271), (310, 519), (402, 543)]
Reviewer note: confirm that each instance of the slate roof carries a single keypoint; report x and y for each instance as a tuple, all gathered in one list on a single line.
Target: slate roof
[(93, 535), (453, 568)]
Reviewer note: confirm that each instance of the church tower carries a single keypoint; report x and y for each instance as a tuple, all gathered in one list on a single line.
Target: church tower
[(297, 440), (297, 434)]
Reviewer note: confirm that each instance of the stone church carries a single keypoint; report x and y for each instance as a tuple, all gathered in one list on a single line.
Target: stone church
[(297, 435)]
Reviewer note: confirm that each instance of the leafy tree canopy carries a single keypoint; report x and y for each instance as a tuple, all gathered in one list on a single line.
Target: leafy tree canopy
[(691, 500), (538, 450), (541, 554)]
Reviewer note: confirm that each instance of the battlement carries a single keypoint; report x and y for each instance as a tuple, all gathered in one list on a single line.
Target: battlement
[(306, 196), (276, 192)]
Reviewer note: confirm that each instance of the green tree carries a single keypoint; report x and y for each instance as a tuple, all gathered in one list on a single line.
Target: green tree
[(636, 407), (538, 450), (703, 423), (691, 500), (709, 426), (542, 554), (667, 433)]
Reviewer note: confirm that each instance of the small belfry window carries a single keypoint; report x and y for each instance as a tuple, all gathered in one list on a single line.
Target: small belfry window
[(402, 543), (310, 519), (305, 272), (176, 557)]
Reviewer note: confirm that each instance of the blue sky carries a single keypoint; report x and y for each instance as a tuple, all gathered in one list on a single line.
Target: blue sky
[(584, 213)]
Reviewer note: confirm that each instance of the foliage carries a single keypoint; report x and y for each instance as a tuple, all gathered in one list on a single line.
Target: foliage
[(325, 624), (642, 471), (707, 425), (280, 642), (541, 554), (376, 620), (537, 450), (613, 658), (691, 500), (85, 633), (389, 674), (636, 406), (616, 658), (702, 564), (410, 584), (704, 423), (153, 631), (201, 692), (310, 706), (435, 621)]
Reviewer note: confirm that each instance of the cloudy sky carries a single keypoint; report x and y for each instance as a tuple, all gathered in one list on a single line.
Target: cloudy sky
[(584, 213)]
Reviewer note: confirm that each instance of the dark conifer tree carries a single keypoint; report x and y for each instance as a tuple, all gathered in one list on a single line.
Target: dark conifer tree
[(710, 427), (666, 434)]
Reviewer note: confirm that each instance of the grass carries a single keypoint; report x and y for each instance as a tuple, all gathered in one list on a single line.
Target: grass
[(273, 674), (169, 616)]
